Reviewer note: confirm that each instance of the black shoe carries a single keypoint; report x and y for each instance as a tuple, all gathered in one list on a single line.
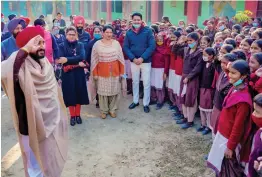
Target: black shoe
[(178, 117), (146, 109), (181, 121), (206, 131), (187, 125), (201, 128), (78, 120), (133, 105), (72, 121)]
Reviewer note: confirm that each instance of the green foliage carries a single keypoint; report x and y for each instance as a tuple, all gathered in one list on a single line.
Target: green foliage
[(243, 16)]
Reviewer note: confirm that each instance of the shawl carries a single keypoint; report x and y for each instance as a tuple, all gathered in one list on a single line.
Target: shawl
[(103, 54), (46, 113)]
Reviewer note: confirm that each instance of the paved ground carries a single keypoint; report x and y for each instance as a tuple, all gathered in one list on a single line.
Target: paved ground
[(133, 145)]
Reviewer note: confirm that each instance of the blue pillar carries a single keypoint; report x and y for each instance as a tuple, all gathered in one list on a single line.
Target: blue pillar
[(43, 8), (23, 9), (68, 8)]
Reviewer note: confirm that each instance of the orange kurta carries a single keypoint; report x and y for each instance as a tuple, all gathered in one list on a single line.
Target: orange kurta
[(107, 67)]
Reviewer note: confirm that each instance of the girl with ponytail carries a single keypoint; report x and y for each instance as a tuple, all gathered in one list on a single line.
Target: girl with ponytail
[(229, 153)]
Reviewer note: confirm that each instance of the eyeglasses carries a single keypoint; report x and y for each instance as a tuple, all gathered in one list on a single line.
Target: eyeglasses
[(71, 34)]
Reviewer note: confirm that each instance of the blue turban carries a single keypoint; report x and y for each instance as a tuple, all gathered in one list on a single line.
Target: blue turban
[(13, 24)]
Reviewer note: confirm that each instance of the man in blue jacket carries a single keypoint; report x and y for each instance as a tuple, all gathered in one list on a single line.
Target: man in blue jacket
[(8, 46), (83, 36), (139, 46)]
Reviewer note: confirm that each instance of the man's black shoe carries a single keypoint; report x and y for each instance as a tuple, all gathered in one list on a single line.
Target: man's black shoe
[(146, 109), (133, 105)]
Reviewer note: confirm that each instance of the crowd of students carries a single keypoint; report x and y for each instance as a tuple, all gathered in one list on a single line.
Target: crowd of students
[(216, 70)]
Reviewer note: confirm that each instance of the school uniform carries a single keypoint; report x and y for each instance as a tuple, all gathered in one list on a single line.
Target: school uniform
[(192, 67), (206, 93), (175, 74), (255, 83), (233, 132), (222, 88), (160, 66)]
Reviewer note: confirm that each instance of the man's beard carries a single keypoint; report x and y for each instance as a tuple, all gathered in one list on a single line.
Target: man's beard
[(79, 29), (36, 55), (15, 34)]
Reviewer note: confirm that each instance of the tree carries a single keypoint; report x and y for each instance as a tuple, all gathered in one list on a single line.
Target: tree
[(243, 16)]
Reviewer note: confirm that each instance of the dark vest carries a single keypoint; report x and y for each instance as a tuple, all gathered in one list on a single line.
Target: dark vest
[(207, 76)]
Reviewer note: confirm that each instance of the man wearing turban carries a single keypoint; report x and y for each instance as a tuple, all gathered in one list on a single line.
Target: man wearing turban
[(37, 106), (8, 46), (83, 36), (5, 33)]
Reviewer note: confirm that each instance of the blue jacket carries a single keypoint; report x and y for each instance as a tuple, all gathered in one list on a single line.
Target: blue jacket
[(141, 44), (55, 47), (60, 40), (84, 38), (5, 36), (8, 46)]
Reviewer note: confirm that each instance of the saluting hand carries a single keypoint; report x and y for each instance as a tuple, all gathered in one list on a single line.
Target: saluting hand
[(182, 40), (32, 45)]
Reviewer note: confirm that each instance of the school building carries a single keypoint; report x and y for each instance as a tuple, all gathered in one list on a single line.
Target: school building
[(190, 11)]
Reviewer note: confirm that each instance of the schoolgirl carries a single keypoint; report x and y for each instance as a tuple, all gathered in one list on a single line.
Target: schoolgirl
[(207, 90), (234, 127)]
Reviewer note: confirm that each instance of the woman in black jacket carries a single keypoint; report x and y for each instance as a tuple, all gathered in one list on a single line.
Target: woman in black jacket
[(74, 87)]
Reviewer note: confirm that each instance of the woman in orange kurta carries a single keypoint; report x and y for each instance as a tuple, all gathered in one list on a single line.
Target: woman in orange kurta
[(107, 71)]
